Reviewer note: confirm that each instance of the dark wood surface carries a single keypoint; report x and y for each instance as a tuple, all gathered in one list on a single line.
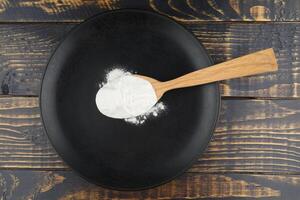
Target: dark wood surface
[(187, 11), (65, 185), (255, 152)]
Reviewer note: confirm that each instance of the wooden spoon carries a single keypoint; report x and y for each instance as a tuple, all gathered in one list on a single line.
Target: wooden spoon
[(255, 63)]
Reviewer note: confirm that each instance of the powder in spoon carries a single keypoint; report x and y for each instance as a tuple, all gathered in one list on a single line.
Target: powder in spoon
[(128, 97)]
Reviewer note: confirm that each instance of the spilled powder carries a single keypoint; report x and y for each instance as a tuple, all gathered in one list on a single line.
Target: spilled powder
[(123, 95), (153, 112)]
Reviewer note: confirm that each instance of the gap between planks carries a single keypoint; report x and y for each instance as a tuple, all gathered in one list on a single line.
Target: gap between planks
[(75, 22), (222, 97)]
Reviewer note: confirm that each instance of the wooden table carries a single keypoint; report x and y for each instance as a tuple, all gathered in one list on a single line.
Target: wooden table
[(255, 152)]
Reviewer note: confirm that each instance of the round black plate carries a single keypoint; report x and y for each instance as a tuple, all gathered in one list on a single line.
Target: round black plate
[(111, 152)]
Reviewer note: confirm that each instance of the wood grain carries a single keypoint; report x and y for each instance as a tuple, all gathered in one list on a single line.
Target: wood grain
[(257, 136), (26, 48), (40, 185), (186, 11), (62, 185), (23, 142), (225, 41), (24, 53), (253, 136)]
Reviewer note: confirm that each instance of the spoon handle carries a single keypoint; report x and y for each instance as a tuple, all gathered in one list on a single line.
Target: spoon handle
[(255, 63)]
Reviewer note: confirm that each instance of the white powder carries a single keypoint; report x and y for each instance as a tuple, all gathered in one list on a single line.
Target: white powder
[(153, 112), (116, 73), (128, 97)]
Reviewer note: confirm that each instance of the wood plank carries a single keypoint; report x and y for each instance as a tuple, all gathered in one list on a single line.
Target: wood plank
[(23, 142), (25, 50), (24, 185), (225, 41), (187, 11), (24, 53), (257, 136)]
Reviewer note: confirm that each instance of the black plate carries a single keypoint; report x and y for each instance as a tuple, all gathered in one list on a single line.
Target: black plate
[(111, 152)]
